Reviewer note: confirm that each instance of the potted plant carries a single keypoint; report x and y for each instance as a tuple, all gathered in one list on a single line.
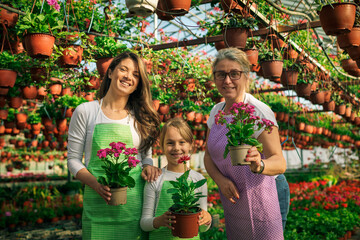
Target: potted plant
[(237, 29), (252, 51), (117, 164), (185, 208), (271, 61), (290, 73), (10, 64), (40, 28), (241, 128), (304, 82)]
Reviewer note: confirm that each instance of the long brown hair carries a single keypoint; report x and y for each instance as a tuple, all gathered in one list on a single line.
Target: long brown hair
[(147, 120)]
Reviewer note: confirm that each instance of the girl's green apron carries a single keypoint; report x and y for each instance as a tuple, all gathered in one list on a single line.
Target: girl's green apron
[(100, 220), (165, 202)]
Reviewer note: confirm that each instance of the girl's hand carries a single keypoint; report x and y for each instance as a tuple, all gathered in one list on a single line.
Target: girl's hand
[(204, 218), (103, 191), (254, 157), (150, 173), (164, 220)]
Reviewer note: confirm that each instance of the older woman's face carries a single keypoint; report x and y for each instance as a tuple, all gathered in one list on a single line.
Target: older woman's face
[(233, 85)]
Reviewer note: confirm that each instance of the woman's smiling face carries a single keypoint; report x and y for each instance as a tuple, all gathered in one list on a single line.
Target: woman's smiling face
[(230, 89), (125, 77)]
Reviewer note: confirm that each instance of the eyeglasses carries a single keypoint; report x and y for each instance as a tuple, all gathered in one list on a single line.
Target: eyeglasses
[(233, 75)]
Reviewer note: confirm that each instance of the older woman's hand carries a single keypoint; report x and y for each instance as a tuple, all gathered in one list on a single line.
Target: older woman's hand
[(150, 173), (228, 189), (254, 157)]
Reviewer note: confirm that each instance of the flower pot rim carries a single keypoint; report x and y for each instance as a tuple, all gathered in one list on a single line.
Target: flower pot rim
[(337, 4), (190, 213), (40, 33)]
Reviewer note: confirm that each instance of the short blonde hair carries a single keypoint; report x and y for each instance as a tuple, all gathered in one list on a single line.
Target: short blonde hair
[(234, 54), (181, 125)]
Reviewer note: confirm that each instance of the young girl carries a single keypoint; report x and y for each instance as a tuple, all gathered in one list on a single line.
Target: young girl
[(176, 141)]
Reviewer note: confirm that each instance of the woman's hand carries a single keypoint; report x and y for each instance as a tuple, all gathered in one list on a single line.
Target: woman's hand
[(150, 173), (204, 218), (103, 191), (228, 189), (164, 220), (254, 157)]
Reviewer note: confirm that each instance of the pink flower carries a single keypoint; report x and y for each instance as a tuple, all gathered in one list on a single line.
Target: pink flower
[(183, 159)]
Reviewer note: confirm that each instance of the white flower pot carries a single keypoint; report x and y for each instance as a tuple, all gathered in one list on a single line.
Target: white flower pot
[(142, 7)]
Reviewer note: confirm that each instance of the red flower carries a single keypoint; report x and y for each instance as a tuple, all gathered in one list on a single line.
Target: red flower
[(183, 159)]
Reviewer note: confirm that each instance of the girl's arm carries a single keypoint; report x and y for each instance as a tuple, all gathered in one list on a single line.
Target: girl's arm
[(149, 204)]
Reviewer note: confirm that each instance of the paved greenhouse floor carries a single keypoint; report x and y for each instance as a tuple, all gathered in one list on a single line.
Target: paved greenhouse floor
[(66, 230)]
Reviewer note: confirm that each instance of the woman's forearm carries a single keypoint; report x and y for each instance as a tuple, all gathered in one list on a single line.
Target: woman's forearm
[(87, 178)]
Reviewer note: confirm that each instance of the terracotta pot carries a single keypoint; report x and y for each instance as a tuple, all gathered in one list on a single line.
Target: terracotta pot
[(348, 112), (350, 39), (3, 114), (177, 7), (220, 45), (156, 104), (95, 83), (340, 109), (303, 89), (72, 56), (272, 69), (252, 55), (2, 101), (66, 91), (8, 18), (238, 155), (354, 52), (290, 53), (103, 64), (162, 11), (164, 109), (337, 18), (118, 196), (15, 102), (235, 37), (317, 97), (7, 78), (39, 45), (289, 77), (190, 116), (29, 92), (186, 225), (90, 96), (55, 89), (327, 96)]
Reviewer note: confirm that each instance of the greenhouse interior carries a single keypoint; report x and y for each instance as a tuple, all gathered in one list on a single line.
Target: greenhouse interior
[(55, 55)]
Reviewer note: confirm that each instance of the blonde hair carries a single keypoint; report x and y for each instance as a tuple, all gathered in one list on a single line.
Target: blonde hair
[(234, 54), (140, 101), (181, 125)]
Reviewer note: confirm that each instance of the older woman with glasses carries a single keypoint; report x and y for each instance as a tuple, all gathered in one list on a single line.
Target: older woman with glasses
[(248, 193)]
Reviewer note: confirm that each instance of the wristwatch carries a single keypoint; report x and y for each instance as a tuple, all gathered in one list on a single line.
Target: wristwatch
[(262, 166)]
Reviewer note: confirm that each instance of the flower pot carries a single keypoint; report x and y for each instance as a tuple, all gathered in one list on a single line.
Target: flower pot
[(289, 77), (177, 7), (220, 45), (186, 225), (29, 92), (272, 69), (39, 45), (238, 155), (340, 109), (142, 8), (252, 55), (8, 18), (55, 89), (303, 89), (72, 56), (15, 102), (354, 52), (317, 97), (337, 18), (94, 83), (118, 196), (162, 11), (103, 64), (235, 37), (7, 78), (351, 39), (290, 53)]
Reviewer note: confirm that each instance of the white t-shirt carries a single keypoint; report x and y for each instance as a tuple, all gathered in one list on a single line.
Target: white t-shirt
[(80, 134), (152, 194)]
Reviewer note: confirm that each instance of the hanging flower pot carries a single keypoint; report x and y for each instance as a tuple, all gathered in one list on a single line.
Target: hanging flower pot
[(340, 109), (303, 89), (163, 12), (16, 102), (337, 18), (39, 45), (327, 96), (289, 77), (272, 69), (349, 65), (8, 18), (29, 92), (238, 155), (55, 89), (290, 53), (354, 52), (142, 8), (348, 111), (66, 91), (103, 64), (220, 45), (177, 7), (4, 114), (236, 37), (72, 56), (317, 97), (164, 109), (94, 83), (252, 55), (230, 6), (118, 196), (156, 104), (186, 225), (90, 96), (7, 78), (350, 39)]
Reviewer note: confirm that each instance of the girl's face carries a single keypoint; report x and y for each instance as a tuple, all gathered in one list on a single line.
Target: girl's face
[(125, 77), (230, 89), (175, 146)]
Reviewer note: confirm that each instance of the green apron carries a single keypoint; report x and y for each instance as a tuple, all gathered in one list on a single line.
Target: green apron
[(103, 221), (165, 202)]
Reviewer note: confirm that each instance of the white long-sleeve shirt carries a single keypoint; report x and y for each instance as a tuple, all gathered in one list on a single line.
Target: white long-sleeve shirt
[(152, 193), (80, 134)]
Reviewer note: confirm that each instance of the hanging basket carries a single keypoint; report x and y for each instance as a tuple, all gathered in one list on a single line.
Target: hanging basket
[(220, 45), (272, 69), (236, 37), (230, 6), (118, 196), (39, 45), (72, 56), (329, 106), (317, 97), (289, 77), (354, 52), (337, 18), (351, 39), (29, 92), (177, 7), (7, 78), (103, 64), (163, 12), (303, 89), (252, 55), (238, 155), (187, 225), (8, 18), (142, 8)]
